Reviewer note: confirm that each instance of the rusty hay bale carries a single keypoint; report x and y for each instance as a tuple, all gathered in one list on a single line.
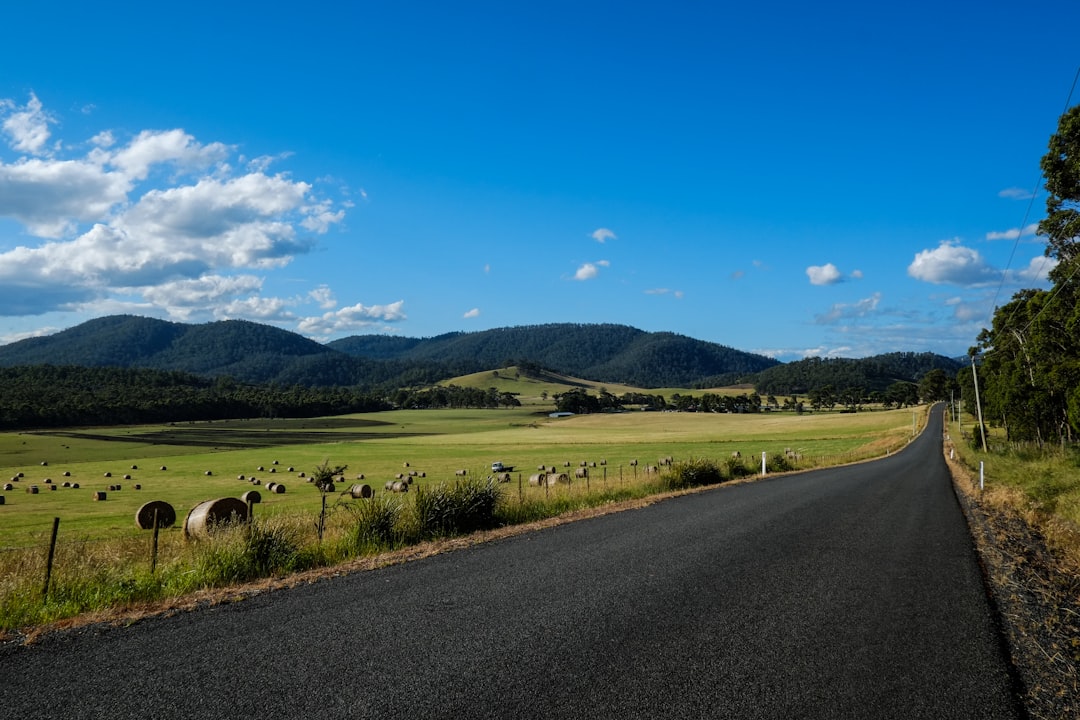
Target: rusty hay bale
[(144, 516)]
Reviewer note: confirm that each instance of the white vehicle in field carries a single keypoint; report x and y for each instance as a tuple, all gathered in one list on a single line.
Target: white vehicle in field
[(498, 467)]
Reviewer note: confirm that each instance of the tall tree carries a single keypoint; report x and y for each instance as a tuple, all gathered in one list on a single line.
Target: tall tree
[(1061, 169)]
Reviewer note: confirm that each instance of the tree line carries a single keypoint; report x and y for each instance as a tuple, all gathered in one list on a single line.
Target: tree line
[(44, 396), (1029, 359)]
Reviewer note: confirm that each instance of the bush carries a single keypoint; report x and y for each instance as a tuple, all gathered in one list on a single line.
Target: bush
[(460, 508), (376, 523), (693, 473), (737, 469), (778, 463)]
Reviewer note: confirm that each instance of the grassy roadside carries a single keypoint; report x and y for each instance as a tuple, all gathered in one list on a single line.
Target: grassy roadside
[(1024, 524)]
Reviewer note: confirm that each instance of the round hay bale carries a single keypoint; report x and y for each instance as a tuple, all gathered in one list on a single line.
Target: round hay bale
[(138, 487), (44, 463), (502, 477), (67, 484), (119, 487), (634, 463), (399, 476), (1, 499), (164, 468), (144, 516), (67, 473), (389, 485), (241, 477), (556, 478), (134, 467), (261, 469), (252, 497), (208, 514), (423, 474), (75, 486), (14, 478), (537, 479), (273, 470), (275, 462), (270, 486), (279, 489), (208, 473), (301, 473), (8, 487), (108, 474), (603, 462), (360, 476), (254, 481), (127, 477), (292, 469), (328, 487), (404, 464), (21, 475), (48, 481), (361, 491), (100, 495), (112, 487), (52, 487)]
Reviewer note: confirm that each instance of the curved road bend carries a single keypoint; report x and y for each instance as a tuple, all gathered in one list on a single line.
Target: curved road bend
[(842, 593)]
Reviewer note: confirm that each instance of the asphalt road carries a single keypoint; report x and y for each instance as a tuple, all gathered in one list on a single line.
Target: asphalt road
[(843, 593)]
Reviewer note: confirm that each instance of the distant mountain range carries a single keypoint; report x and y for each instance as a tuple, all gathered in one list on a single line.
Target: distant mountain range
[(256, 353)]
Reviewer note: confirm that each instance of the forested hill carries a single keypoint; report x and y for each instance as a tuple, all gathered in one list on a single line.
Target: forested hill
[(869, 374), (252, 352), (604, 353)]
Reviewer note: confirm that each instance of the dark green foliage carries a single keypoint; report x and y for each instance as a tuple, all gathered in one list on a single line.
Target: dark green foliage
[(840, 374), (694, 472), (778, 462), (457, 509), (604, 353), (49, 396), (736, 468)]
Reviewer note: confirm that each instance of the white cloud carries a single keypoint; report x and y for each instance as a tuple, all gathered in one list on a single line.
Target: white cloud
[(151, 147), (841, 311), (1015, 193), (665, 291), (324, 296), (27, 127), (475, 312), (117, 231), (1036, 272), (590, 270), (826, 274), (352, 318), (1014, 233), (601, 235), (857, 274), (953, 264)]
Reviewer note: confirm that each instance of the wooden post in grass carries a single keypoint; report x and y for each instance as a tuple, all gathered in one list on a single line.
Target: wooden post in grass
[(521, 491), (49, 563), (153, 551)]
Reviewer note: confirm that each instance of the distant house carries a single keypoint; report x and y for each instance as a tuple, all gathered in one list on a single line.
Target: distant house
[(560, 414)]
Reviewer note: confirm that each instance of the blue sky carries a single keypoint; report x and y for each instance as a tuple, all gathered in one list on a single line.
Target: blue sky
[(794, 179)]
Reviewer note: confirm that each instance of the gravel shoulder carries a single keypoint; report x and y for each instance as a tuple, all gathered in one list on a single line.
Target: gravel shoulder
[(1036, 593)]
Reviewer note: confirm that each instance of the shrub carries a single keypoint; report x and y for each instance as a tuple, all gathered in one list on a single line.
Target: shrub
[(693, 473), (463, 507), (778, 463), (376, 523), (737, 469)]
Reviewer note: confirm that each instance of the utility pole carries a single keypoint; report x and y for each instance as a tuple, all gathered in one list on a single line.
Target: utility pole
[(978, 404)]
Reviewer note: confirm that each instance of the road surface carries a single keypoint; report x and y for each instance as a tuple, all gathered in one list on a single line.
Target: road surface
[(843, 593)]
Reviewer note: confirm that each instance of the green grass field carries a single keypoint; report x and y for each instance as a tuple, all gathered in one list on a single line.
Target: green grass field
[(537, 391), (436, 443)]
